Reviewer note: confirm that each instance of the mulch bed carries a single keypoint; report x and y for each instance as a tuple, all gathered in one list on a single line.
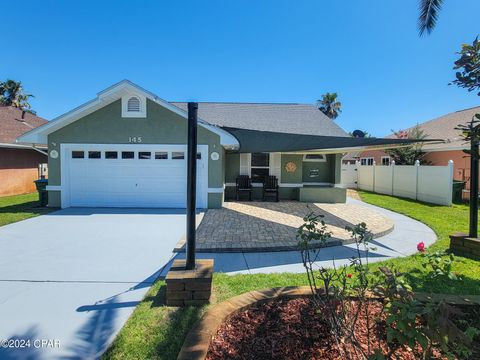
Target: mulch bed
[(293, 329)]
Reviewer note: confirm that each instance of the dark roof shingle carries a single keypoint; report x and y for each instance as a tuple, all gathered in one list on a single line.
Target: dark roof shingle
[(12, 124), (284, 118)]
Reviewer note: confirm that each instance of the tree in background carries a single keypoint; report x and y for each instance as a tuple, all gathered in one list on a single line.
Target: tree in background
[(329, 105), (468, 66), (12, 94), (407, 155), (365, 134), (427, 19)]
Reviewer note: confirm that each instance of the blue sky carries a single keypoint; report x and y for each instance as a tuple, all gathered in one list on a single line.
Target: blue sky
[(246, 51)]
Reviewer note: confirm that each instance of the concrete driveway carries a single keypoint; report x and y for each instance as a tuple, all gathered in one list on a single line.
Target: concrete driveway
[(73, 277)]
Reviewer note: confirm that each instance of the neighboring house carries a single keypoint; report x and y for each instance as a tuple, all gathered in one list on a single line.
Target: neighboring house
[(127, 147), (380, 157), (19, 164), (436, 153)]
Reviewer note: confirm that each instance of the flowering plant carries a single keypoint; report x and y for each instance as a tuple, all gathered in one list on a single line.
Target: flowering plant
[(421, 246)]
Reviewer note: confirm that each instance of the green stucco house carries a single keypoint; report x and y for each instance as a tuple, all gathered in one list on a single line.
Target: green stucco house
[(126, 148)]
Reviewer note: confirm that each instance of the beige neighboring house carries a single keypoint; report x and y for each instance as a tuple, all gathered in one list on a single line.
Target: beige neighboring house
[(452, 148)]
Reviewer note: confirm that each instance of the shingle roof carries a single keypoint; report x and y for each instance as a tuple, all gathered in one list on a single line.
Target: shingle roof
[(284, 118), (443, 127), (12, 124)]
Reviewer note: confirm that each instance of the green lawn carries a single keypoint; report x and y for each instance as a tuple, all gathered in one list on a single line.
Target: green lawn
[(444, 221), (20, 207), (156, 331)]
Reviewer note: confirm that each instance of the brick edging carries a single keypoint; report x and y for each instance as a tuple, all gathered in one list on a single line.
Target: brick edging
[(197, 342)]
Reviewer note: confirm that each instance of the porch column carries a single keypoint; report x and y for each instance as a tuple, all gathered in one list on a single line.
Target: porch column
[(338, 170)]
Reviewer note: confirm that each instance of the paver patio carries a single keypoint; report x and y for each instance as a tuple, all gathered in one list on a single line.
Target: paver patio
[(272, 226), (402, 241)]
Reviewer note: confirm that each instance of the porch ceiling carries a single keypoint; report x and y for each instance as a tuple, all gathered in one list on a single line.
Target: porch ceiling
[(269, 141)]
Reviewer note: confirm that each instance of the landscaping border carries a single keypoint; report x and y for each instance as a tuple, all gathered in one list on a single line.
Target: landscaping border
[(197, 342)]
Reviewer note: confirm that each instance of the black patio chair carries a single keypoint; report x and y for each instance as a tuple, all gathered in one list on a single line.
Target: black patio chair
[(270, 187), (244, 185)]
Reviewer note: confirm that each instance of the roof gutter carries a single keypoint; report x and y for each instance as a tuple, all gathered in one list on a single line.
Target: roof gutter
[(41, 149)]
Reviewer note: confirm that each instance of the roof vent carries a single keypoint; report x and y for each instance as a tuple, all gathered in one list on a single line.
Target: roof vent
[(133, 104)]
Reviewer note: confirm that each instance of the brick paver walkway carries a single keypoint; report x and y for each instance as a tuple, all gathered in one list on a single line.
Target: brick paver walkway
[(261, 226)]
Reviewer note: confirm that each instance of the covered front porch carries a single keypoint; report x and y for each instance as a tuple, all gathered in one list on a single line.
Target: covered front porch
[(308, 177), (307, 168)]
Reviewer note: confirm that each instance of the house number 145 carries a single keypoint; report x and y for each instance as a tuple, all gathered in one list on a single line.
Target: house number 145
[(135, 139)]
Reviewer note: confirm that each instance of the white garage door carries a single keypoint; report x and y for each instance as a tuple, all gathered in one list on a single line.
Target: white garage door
[(130, 175)]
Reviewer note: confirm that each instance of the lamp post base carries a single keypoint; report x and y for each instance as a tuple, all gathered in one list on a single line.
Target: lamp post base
[(463, 245), (189, 287)]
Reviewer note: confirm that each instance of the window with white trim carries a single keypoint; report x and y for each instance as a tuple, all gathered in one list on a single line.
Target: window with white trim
[(161, 155), (111, 155), (314, 157), (133, 104), (178, 155), (366, 161), (259, 166), (386, 160), (78, 154)]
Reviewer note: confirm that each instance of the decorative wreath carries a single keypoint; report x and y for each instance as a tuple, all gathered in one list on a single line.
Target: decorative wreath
[(290, 166)]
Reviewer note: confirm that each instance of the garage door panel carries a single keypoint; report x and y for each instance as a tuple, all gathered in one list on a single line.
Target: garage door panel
[(132, 182)]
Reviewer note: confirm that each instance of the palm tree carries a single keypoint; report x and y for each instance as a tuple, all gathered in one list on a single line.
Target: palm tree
[(427, 19), (11, 94), (329, 105)]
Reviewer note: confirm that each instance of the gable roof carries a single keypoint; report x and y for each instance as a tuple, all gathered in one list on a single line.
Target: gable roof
[(107, 96), (283, 118), (443, 127), (13, 123)]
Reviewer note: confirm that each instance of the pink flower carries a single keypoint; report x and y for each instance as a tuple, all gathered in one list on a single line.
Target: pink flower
[(402, 134), (421, 246), (349, 276)]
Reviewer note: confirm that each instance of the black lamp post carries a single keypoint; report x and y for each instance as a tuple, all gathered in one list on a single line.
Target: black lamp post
[(471, 132), (191, 183), (474, 156)]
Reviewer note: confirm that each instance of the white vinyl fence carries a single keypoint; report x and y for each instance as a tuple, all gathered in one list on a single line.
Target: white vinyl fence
[(431, 184)]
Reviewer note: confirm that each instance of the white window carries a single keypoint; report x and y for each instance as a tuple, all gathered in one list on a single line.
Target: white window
[(178, 155), (314, 157), (111, 155), (94, 155), (133, 104), (161, 155), (78, 154), (386, 160), (260, 166), (144, 155), (128, 155), (366, 161)]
